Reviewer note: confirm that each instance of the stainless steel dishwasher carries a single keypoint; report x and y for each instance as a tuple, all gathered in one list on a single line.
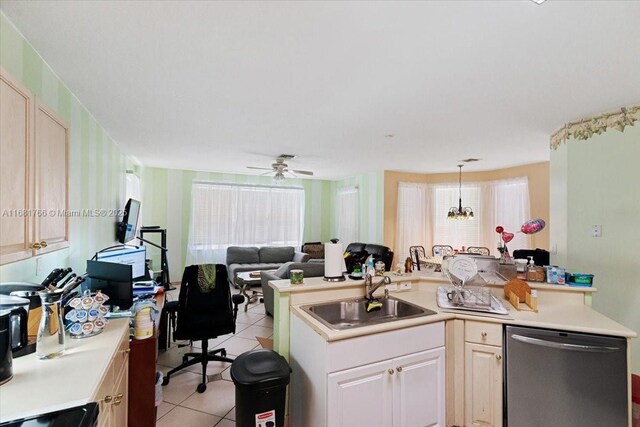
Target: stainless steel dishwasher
[(557, 378)]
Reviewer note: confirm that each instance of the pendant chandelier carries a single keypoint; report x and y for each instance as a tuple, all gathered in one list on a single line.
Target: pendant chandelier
[(460, 212)]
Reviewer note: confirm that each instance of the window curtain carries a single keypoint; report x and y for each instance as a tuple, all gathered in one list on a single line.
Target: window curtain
[(224, 215), (422, 215), (413, 215), (348, 215)]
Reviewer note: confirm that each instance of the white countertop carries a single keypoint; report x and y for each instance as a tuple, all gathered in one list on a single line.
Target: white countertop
[(552, 314), (318, 283), (38, 387)]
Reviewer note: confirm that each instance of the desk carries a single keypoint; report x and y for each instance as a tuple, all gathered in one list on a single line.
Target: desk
[(245, 281)]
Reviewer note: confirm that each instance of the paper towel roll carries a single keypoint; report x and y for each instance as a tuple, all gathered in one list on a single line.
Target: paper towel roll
[(333, 261)]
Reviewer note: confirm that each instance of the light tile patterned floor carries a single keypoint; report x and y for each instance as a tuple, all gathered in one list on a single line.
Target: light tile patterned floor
[(182, 406)]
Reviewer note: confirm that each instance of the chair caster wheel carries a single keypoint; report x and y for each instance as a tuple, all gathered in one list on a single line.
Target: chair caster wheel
[(223, 353), (201, 388), (165, 381)]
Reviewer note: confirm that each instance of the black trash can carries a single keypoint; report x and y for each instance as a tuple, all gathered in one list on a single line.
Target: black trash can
[(261, 378)]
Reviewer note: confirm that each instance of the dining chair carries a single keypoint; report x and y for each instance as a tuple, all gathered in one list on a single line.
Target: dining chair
[(480, 250), (442, 249)]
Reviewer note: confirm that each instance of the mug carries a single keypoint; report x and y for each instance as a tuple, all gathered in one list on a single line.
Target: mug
[(296, 277), (455, 296)]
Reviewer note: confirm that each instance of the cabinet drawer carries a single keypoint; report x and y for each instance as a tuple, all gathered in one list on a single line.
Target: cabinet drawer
[(483, 332)]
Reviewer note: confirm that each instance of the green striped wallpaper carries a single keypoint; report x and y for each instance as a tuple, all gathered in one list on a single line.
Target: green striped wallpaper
[(97, 165), (166, 202), (97, 180)]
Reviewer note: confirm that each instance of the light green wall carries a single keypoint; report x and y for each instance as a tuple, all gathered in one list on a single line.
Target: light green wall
[(371, 194), (596, 182), (166, 202), (97, 165)]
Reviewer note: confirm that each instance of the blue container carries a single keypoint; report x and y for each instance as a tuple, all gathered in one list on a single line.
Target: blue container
[(579, 279)]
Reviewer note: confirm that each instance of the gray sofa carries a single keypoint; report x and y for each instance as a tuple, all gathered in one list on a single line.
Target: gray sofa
[(251, 258), (309, 269)]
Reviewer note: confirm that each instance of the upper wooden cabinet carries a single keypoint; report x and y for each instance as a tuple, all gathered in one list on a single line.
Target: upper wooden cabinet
[(34, 163)]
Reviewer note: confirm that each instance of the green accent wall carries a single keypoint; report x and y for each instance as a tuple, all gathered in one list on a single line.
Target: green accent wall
[(97, 164), (595, 182), (166, 202)]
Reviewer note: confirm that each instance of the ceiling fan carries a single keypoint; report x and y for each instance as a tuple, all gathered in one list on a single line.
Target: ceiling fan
[(279, 168)]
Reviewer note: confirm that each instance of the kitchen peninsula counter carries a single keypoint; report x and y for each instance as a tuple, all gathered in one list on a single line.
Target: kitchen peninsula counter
[(42, 386)]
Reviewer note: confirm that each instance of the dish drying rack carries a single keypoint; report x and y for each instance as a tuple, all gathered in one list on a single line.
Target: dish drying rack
[(474, 296)]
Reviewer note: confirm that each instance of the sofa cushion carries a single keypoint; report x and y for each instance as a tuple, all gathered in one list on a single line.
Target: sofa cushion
[(276, 254), (314, 269), (355, 247), (242, 255)]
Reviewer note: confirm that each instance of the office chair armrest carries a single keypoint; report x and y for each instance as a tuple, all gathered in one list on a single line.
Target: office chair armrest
[(237, 299)]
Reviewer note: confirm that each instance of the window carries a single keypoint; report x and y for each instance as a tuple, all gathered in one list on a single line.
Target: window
[(422, 214), (456, 233), (224, 215), (348, 215)]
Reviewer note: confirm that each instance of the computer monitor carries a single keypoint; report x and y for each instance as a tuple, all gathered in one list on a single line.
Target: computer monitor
[(126, 230), (135, 257), (112, 279)]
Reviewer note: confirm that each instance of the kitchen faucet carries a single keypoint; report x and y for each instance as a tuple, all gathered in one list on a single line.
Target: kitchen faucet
[(371, 287)]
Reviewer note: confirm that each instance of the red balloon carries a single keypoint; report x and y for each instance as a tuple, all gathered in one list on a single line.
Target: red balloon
[(499, 229), (507, 237), (533, 226)]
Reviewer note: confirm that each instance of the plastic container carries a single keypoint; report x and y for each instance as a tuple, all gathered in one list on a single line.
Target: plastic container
[(261, 378), (579, 279), (555, 275), (536, 274)]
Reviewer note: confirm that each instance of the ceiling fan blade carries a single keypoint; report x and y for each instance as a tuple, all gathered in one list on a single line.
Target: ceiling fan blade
[(303, 172), (266, 173), (290, 172), (264, 169)]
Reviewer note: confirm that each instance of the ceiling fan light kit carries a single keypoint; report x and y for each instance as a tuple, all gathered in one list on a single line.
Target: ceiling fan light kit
[(460, 212), (279, 168)]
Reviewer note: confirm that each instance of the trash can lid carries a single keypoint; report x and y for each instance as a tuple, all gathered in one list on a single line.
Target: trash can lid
[(261, 368)]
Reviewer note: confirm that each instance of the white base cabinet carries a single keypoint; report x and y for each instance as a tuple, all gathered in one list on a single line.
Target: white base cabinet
[(388, 379), (483, 374)]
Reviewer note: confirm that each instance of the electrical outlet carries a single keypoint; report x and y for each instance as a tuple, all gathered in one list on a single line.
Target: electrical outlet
[(38, 268), (404, 286), (596, 231)]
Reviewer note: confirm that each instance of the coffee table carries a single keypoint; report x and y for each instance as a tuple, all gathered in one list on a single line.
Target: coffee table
[(245, 281)]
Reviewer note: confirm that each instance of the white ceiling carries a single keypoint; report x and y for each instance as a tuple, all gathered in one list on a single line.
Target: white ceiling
[(221, 85)]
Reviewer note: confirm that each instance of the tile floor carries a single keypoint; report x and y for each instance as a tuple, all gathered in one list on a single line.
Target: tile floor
[(182, 406)]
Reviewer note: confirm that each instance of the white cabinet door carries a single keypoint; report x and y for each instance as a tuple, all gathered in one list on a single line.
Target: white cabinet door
[(361, 396), (483, 385), (419, 397)]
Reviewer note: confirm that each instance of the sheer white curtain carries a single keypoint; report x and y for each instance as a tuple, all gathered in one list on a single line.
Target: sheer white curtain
[(224, 215), (348, 215), (506, 203), (413, 214), (422, 215)]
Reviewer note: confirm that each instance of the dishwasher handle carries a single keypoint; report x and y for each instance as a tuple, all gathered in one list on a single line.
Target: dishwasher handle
[(564, 346)]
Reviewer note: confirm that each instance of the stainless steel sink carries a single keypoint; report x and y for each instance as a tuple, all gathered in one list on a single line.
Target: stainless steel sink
[(353, 313)]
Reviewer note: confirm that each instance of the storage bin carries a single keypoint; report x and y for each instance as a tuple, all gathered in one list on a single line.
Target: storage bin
[(579, 279)]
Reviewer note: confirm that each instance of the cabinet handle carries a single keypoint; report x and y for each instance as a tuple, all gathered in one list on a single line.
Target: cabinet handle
[(498, 357), (390, 371), (127, 351), (484, 334), (399, 369), (107, 399), (118, 399), (43, 244), (39, 245)]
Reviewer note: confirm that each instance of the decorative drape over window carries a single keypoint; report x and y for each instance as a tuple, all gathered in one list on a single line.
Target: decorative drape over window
[(224, 215), (347, 215), (422, 215)]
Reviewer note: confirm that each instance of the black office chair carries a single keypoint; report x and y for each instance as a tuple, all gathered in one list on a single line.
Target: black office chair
[(204, 312)]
